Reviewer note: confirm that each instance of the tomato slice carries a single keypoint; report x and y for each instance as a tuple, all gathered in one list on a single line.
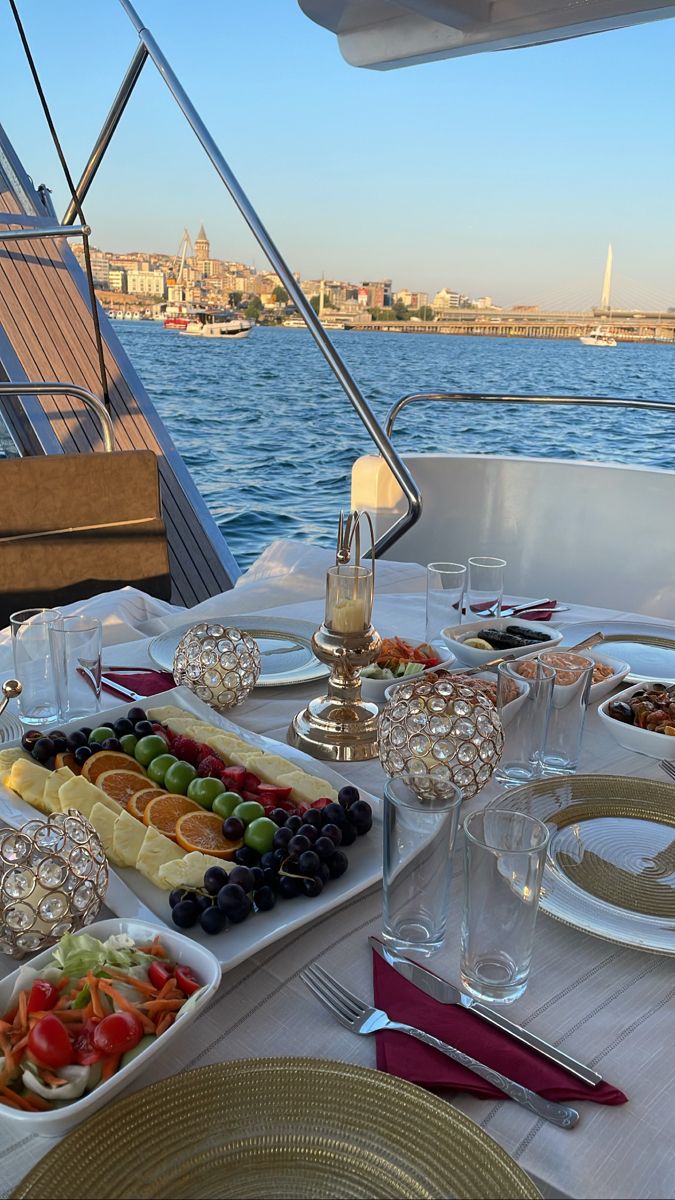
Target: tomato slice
[(84, 1050), (159, 973), (187, 980), (43, 996), (117, 1033), (49, 1043)]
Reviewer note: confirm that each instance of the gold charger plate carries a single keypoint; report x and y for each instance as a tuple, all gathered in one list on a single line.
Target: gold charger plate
[(278, 1127), (610, 864)]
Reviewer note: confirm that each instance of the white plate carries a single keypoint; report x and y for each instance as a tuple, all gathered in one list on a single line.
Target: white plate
[(137, 895), (285, 648), (632, 737), (648, 663), (182, 950), (455, 636), (11, 729)]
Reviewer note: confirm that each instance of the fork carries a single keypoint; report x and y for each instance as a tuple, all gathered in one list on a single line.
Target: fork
[(668, 767), (361, 1018)]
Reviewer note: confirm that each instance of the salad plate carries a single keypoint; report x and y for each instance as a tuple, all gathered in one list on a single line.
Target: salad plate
[(609, 866), (272, 1127), (285, 648), (132, 895), (648, 647)]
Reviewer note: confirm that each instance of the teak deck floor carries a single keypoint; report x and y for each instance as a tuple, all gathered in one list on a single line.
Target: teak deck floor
[(47, 335)]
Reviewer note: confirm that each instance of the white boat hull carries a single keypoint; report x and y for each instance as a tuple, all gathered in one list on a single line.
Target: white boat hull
[(222, 332)]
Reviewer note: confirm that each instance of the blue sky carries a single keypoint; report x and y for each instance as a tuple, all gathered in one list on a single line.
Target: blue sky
[(504, 174)]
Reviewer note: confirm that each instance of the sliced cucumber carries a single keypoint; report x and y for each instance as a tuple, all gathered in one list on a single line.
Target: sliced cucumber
[(130, 1055)]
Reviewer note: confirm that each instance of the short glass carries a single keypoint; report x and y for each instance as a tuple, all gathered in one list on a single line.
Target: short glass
[(571, 689), (445, 597), (504, 855), (34, 667), (419, 836), (485, 590), (76, 645), (524, 705)]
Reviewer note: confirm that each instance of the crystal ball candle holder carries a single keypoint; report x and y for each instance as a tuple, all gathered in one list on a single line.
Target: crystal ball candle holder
[(221, 666), (438, 731), (53, 879)]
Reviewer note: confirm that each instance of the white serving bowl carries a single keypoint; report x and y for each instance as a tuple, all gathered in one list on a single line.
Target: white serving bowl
[(375, 689), (632, 737), (455, 636), (182, 950), (620, 669)]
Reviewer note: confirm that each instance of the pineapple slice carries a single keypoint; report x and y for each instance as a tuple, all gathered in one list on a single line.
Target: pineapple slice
[(128, 837), (79, 793), (155, 852), (28, 779), (189, 871), (50, 798), (104, 822)]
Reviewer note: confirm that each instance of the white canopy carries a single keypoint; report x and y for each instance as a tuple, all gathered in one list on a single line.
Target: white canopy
[(398, 33)]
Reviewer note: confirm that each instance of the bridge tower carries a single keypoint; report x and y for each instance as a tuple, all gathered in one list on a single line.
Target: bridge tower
[(607, 281)]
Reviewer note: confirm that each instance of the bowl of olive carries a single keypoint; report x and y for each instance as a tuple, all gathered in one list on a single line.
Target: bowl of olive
[(499, 637), (642, 718)]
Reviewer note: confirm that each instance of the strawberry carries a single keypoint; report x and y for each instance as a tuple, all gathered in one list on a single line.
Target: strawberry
[(233, 777), (205, 751), (185, 749), (251, 796), (271, 792), (251, 782), (211, 766), (322, 802)]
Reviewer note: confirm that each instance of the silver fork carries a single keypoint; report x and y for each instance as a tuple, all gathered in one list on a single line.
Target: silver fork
[(362, 1018), (668, 767)]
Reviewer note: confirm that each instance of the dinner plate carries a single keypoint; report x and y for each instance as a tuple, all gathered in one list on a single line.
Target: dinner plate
[(130, 894), (610, 864), (285, 648), (278, 1127), (11, 729), (649, 648)]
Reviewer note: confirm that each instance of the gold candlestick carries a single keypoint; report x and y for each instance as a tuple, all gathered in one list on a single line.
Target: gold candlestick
[(340, 725)]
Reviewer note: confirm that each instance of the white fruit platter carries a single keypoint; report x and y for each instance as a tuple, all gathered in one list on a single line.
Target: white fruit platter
[(142, 891)]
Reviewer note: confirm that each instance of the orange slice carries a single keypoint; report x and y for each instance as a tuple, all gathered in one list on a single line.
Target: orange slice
[(136, 804), (66, 759), (163, 812), (109, 760), (121, 785), (204, 831)]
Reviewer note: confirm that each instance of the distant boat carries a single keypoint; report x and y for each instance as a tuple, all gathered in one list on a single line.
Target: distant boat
[(597, 337), (215, 324)]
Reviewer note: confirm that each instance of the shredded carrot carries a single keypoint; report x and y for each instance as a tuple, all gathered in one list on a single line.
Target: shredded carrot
[(9, 1098), (63, 983), (109, 1066), (119, 999), (96, 1005), (155, 948), (20, 1046), (37, 1104), (21, 1018), (65, 1014), (160, 1006), (51, 1079), (146, 988), (166, 991), (6, 1026), (167, 1019), (19, 1100)]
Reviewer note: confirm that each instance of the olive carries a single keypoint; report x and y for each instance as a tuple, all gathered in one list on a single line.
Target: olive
[(621, 711)]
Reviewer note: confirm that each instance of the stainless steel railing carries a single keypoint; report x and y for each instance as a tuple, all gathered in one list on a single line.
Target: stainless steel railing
[(91, 401), (491, 398), (149, 49)]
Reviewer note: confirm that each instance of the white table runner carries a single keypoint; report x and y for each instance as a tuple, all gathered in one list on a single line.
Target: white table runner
[(611, 1007)]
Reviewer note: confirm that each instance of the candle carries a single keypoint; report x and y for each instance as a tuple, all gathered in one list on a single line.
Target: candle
[(349, 616)]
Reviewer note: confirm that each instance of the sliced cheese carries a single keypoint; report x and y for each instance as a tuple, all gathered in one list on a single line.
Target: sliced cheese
[(128, 837), (189, 871), (104, 822), (29, 780), (79, 793), (270, 767), (50, 797), (155, 851), (306, 788)]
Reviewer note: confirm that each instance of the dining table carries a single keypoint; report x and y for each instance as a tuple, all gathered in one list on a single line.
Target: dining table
[(610, 1006)]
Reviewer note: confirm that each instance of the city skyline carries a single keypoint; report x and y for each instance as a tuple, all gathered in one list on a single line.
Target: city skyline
[(485, 174)]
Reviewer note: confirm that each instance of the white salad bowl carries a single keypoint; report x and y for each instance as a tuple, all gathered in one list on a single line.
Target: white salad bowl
[(181, 950), (455, 637), (375, 689), (632, 737), (620, 669)]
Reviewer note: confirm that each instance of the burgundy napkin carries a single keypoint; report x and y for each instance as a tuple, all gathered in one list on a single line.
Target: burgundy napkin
[(399, 1054), (542, 613), (146, 683)]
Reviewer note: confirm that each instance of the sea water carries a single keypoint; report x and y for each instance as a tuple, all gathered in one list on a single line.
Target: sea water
[(270, 437)]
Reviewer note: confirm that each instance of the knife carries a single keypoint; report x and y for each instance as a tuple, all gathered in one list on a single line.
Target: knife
[(439, 989)]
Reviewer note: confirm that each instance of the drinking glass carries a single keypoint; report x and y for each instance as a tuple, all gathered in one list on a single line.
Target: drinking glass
[(524, 695), (76, 644), (419, 836), (34, 667), (486, 588), (504, 855), (445, 597), (571, 688)]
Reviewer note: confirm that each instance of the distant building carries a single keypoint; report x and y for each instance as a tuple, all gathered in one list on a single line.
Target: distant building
[(379, 293), (446, 300), (146, 283), (483, 302), (202, 251), (100, 269), (117, 279), (412, 299), (525, 308)]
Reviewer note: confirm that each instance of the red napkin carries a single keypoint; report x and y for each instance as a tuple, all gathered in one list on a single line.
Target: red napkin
[(399, 1054), (543, 613), (146, 683)]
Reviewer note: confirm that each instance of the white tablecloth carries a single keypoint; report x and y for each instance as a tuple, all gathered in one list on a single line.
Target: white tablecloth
[(609, 1006)]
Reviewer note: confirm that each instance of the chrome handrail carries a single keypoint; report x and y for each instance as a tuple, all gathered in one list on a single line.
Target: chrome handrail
[(43, 231), (91, 401), (495, 398)]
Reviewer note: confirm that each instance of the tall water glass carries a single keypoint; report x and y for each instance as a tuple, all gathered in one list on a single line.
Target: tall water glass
[(485, 590), (445, 597), (34, 666), (524, 695), (76, 643), (419, 836), (504, 855), (571, 688)]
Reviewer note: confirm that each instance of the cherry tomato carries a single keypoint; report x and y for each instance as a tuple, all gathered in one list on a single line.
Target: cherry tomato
[(117, 1033), (84, 1050), (43, 996), (49, 1043), (187, 980), (159, 973)]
